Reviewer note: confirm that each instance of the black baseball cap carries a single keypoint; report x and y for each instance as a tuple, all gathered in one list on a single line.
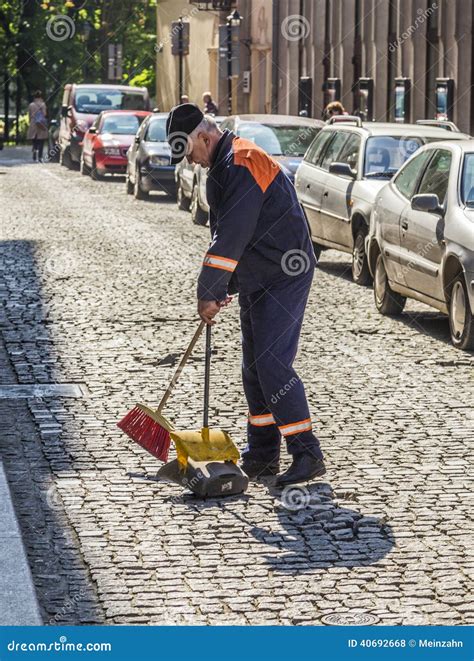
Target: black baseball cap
[(180, 123)]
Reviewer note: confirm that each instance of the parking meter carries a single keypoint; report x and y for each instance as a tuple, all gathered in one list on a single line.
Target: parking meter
[(305, 96), (332, 90), (364, 99), (444, 98), (402, 104)]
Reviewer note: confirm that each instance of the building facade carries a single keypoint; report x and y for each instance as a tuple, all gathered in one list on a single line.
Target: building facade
[(384, 59)]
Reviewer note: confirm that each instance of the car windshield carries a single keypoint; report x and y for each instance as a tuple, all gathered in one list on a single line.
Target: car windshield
[(157, 130), (95, 100), (284, 140), (121, 124), (384, 155), (467, 182)]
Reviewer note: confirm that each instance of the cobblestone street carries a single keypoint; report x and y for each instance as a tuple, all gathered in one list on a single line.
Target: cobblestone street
[(98, 289)]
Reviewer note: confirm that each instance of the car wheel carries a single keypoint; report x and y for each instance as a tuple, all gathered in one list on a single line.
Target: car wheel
[(138, 191), (128, 184), (360, 266), (84, 169), (65, 158), (461, 320), (386, 300), (182, 201), (198, 215), (94, 173)]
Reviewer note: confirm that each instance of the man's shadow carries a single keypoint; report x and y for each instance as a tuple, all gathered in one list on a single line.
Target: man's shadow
[(314, 531), (311, 529)]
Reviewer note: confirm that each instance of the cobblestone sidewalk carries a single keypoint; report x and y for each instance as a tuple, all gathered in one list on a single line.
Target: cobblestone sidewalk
[(98, 289)]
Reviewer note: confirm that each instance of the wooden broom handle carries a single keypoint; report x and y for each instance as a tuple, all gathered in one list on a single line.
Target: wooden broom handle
[(179, 369)]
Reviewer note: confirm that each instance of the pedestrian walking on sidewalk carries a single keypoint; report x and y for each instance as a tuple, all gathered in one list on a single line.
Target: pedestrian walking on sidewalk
[(38, 127), (261, 249)]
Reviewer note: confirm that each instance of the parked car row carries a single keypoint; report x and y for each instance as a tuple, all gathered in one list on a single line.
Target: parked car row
[(398, 198), (286, 138)]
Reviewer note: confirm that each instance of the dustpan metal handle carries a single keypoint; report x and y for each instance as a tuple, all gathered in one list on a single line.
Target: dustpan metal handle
[(207, 377)]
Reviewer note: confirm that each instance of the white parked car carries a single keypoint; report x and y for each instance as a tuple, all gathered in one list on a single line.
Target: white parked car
[(342, 172), (421, 238)]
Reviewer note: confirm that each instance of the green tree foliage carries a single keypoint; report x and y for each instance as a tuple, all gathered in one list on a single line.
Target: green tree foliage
[(45, 44)]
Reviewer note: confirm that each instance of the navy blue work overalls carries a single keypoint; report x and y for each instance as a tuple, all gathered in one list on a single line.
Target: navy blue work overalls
[(261, 249)]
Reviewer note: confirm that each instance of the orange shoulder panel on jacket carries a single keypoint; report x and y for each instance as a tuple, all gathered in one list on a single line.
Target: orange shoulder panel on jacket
[(264, 169)]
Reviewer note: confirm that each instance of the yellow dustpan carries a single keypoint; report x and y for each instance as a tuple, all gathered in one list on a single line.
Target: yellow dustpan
[(207, 444)]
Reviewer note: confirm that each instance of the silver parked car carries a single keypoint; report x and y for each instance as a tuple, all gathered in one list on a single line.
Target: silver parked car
[(421, 239), (342, 172), (149, 160), (284, 137)]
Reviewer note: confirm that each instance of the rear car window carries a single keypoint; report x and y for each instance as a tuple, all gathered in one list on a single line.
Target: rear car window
[(121, 124), (384, 155), (279, 140)]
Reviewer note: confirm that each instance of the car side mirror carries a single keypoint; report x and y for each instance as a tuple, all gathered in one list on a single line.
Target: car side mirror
[(93, 129), (343, 170), (428, 203), (137, 139), (64, 111)]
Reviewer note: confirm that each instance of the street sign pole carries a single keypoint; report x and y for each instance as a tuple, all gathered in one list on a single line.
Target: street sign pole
[(229, 68), (180, 48)]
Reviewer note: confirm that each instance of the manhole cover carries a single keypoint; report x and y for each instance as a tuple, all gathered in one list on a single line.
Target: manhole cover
[(349, 619), (37, 390)]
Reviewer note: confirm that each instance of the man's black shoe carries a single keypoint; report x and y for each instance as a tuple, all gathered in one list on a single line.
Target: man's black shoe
[(305, 466), (255, 469)]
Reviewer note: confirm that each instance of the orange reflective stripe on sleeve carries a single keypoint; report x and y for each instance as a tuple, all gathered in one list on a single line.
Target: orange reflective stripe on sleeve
[(217, 262), (261, 420), (296, 427)]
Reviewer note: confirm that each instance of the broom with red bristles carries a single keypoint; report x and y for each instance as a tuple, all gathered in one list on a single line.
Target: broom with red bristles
[(148, 427)]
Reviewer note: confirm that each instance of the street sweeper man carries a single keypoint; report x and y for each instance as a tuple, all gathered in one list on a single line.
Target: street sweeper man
[(261, 249)]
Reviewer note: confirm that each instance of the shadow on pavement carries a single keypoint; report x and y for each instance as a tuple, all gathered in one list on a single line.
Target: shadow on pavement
[(339, 269), (32, 446), (307, 528)]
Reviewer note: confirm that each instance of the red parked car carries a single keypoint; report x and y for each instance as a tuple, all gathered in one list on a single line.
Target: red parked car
[(106, 143)]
